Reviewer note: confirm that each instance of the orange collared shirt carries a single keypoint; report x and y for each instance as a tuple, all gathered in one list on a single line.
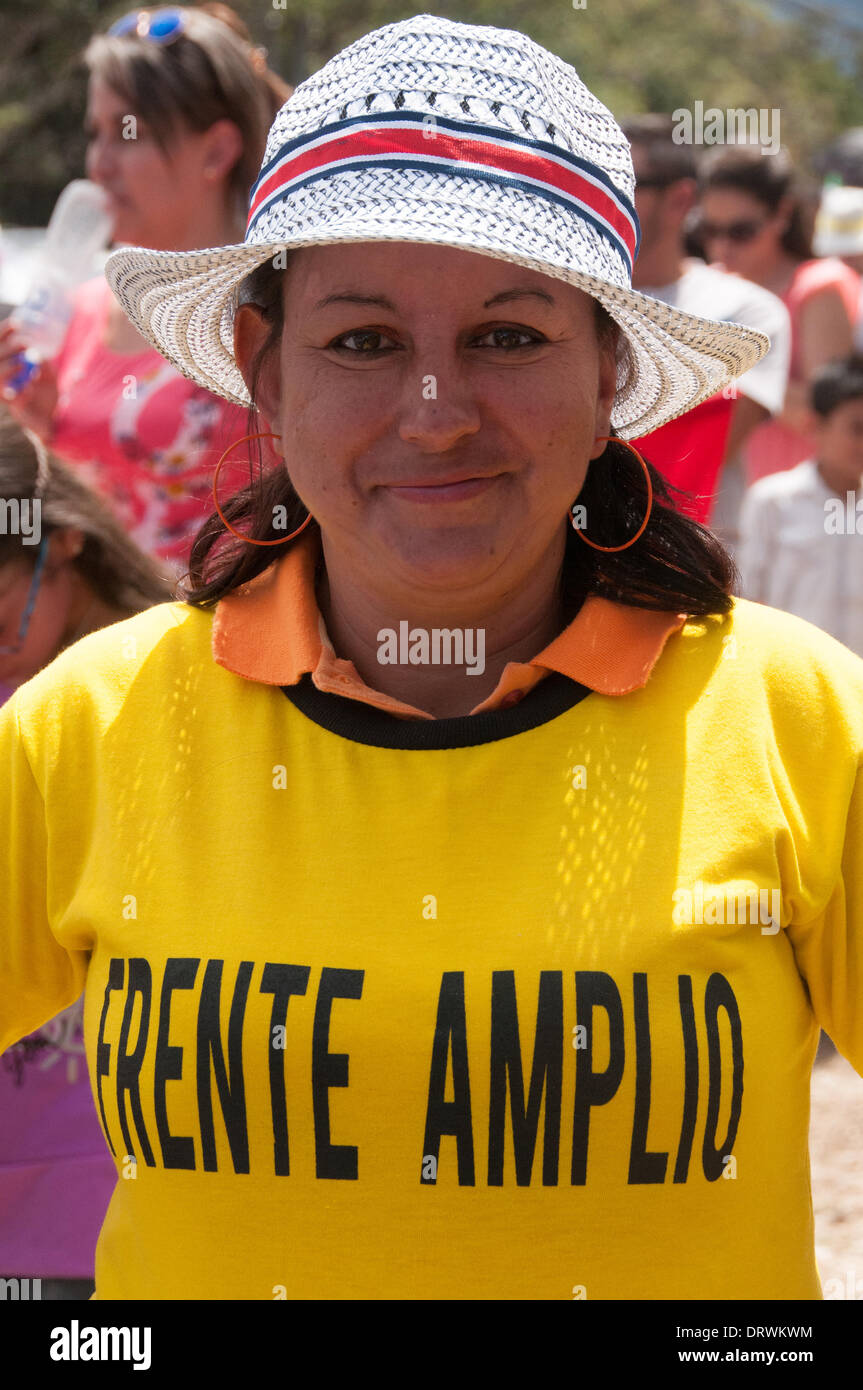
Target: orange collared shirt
[(271, 630)]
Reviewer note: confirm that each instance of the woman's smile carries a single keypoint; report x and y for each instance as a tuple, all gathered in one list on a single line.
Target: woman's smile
[(459, 490)]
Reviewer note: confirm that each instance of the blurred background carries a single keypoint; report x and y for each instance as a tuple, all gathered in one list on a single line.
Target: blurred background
[(643, 55)]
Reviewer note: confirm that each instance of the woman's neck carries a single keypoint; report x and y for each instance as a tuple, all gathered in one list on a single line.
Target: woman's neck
[(214, 227), (515, 629), (87, 613), (778, 276), (837, 479), (206, 227)]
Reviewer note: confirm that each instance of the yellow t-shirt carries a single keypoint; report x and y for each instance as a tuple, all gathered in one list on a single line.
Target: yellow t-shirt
[(520, 1005)]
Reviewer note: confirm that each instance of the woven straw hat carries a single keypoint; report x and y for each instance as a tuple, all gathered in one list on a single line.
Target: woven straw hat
[(458, 135)]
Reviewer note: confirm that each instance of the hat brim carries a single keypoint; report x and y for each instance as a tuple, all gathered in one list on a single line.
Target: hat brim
[(183, 303)]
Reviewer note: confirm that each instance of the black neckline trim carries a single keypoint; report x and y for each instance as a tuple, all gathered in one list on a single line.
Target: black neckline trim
[(362, 723)]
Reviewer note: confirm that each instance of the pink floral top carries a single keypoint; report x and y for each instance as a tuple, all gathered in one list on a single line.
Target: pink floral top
[(138, 432)]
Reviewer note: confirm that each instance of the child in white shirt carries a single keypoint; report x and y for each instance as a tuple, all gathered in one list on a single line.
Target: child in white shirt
[(802, 529)]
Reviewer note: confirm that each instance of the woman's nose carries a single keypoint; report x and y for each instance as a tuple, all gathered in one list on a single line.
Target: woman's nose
[(99, 161), (438, 409), (718, 246)]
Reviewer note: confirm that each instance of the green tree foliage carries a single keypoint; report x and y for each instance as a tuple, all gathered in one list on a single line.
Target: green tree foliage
[(637, 55)]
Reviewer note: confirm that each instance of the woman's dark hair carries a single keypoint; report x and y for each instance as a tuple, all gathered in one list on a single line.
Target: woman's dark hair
[(676, 565), (110, 562), (836, 383), (769, 178), (667, 162), (277, 89), (211, 72)]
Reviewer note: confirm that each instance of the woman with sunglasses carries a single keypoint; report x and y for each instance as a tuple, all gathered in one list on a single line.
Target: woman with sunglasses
[(179, 103), (754, 222), (477, 868), (66, 570)]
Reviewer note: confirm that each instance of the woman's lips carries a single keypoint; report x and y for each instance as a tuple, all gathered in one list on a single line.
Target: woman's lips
[(444, 492)]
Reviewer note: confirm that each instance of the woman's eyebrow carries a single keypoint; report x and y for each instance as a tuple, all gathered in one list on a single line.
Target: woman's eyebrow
[(506, 295), (381, 302)]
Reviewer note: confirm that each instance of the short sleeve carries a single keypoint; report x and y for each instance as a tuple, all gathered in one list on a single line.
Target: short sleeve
[(829, 273), (38, 977), (829, 948)]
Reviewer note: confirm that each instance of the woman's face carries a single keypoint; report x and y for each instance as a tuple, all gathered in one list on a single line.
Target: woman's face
[(58, 592), (438, 409), (151, 193), (741, 233)]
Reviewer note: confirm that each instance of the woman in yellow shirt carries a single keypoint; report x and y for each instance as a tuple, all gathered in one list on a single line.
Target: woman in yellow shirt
[(479, 870)]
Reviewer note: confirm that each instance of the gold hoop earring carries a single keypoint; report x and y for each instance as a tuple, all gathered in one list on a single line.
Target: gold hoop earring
[(611, 438), (267, 434)]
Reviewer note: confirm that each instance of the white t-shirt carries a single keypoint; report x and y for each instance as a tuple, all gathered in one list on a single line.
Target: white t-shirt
[(716, 294), (800, 551)]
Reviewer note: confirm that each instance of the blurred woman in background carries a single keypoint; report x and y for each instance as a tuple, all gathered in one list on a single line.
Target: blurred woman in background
[(179, 104), (70, 570), (754, 223)]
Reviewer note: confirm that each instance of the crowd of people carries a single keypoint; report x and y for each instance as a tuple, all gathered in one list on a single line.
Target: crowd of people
[(123, 477), (118, 451)]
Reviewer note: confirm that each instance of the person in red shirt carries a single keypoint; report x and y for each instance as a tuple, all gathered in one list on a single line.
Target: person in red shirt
[(697, 450)]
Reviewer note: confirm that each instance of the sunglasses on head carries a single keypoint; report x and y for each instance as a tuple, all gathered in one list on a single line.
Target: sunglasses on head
[(160, 26), (24, 624), (735, 231)]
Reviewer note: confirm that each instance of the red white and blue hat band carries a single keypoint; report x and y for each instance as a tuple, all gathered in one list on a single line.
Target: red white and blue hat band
[(414, 140)]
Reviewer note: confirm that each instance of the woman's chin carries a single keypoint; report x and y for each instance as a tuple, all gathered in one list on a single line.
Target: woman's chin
[(450, 561), (127, 230)]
